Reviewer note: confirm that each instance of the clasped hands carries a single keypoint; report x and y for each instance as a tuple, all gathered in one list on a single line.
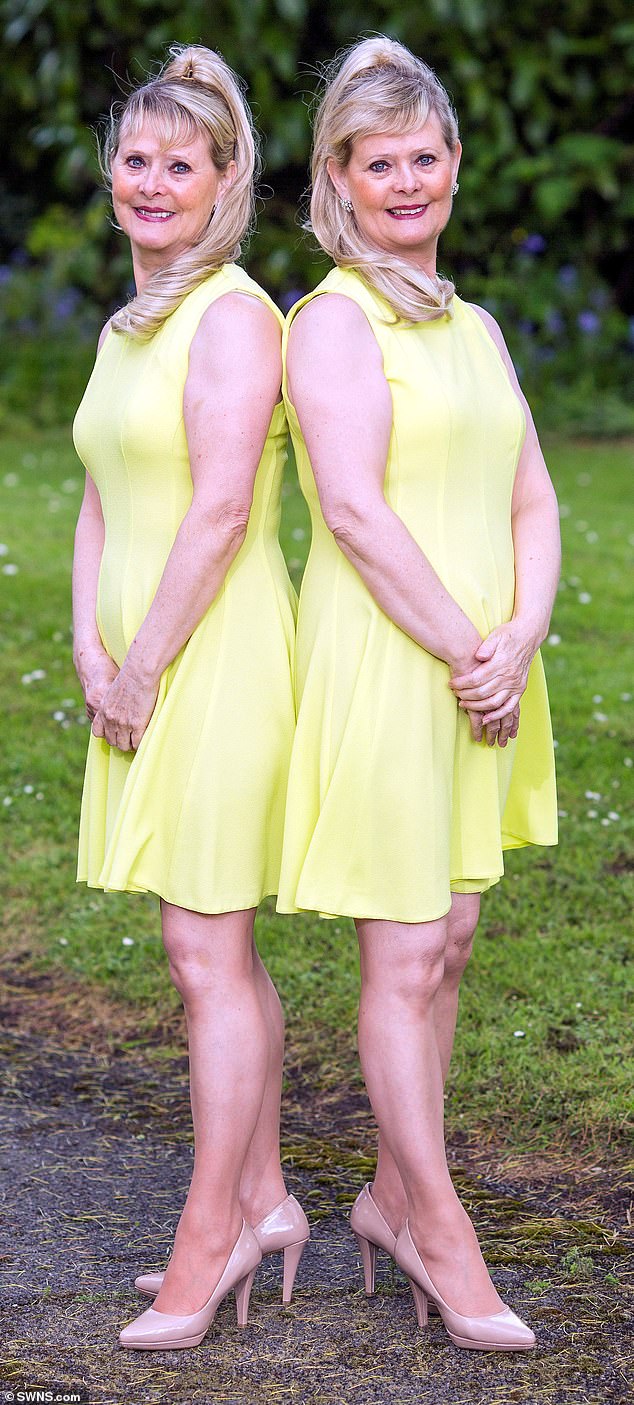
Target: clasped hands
[(118, 703), (490, 692)]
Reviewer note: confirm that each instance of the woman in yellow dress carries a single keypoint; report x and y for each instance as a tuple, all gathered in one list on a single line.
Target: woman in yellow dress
[(184, 628), (428, 590)]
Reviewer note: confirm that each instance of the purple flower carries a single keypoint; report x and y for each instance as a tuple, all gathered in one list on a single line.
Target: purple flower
[(5, 273), (588, 322), (525, 325), (568, 276), (533, 244), (288, 299), (66, 304), (554, 322), (599, 297)]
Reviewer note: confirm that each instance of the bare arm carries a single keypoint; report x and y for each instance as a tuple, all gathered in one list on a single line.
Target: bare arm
[(506, 655), (343, 402), (231, 389), (93, 665)]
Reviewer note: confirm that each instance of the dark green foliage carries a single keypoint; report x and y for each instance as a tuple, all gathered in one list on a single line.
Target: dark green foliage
[(544, 101)]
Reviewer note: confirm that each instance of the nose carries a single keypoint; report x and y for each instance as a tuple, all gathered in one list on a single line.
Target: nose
[(152, 179), (407, 178)]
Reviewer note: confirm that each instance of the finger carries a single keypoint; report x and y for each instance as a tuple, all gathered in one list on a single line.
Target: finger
[(476, 726), (98, 729), (487, 648), (491, 733), (505, 730), (488, 705), (123, 740), (497, 712)]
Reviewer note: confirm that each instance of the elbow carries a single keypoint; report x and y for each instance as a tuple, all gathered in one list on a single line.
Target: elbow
[(348, 524), (227, 524)]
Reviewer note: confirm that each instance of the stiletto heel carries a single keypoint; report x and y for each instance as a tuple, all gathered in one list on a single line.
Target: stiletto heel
[(165, 1331), (285, 1227), (420, 1302), (498, 1331), (243, 1293), (292, 1256), (367, 1251)]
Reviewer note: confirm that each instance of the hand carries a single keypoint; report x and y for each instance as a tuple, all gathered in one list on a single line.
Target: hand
[(498, 681), (96, 672), (501, 731), (125, 710)]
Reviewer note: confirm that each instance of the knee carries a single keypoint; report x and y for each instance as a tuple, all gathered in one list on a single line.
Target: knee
[(459, 944), (198, 974), (415, 979)]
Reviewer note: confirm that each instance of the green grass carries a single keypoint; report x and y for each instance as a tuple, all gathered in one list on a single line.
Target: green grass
[(551, 958)]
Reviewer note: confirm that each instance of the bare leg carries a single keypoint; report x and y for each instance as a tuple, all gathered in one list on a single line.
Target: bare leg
[(212, 966), (388, 1190), (402, 968), (262, 1183)]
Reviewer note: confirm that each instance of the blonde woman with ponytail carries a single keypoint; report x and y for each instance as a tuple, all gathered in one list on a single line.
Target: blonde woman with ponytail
[(428, 590), (183, 638)]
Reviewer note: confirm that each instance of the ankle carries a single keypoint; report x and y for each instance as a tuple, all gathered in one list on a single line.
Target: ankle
[(391, 1203), (258, 1201)]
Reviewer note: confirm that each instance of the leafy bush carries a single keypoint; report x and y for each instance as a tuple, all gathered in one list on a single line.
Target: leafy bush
[(543, 97)]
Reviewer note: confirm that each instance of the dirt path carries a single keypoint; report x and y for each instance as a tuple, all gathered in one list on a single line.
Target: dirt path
[(96, 1157)]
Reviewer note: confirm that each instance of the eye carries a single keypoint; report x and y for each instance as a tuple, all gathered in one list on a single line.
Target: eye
[(425, 158), (378, 166), (134, 162), (181, 168)]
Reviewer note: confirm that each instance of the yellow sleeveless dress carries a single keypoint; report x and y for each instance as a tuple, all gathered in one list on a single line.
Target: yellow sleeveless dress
[(196, 814), (391, 805)]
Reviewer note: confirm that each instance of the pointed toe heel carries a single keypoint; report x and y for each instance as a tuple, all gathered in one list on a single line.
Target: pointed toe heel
[(292, 1256), (243, 1293), (367, 1250), (371, 1232), (165, 1331), (285, 1228), (420, 1302), (499, 1331)]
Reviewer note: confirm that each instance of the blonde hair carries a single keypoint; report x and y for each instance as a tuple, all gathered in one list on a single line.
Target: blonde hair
[(195, 94), (377, 85)]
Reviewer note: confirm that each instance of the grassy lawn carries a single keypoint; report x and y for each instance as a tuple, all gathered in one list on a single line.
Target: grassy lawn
[(541, 1056)]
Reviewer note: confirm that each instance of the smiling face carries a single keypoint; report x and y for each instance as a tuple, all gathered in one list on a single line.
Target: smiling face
[(163, 196), (400, 188)]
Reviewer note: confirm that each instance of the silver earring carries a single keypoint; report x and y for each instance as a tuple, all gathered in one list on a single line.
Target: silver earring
[(345, 205), (455, 188)]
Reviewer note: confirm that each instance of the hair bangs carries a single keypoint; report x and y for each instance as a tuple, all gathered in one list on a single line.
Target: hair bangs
[(173, 124)]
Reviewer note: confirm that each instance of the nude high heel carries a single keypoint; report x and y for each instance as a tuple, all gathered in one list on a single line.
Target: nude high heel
[(371, 1231), (500, 1331), (285, 1227), (163, 1331)]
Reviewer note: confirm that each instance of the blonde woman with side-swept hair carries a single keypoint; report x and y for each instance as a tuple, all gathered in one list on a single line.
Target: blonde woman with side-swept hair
[(428, 590), (183, 640)]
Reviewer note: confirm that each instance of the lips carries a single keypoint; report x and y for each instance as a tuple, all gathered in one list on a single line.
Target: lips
[(145, 212), (407, 212)]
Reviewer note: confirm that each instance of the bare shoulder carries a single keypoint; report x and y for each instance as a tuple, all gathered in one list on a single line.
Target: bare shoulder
[(103, 334), (240, 317), (493, 327), (332, 328), (238, 337)]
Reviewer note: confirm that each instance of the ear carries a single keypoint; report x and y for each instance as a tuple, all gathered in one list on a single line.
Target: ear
[(338, 177), (228, 176), (455, 159)]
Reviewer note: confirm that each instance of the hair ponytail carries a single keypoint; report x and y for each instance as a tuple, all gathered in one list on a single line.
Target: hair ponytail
[(376, 85), (195, 94)]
